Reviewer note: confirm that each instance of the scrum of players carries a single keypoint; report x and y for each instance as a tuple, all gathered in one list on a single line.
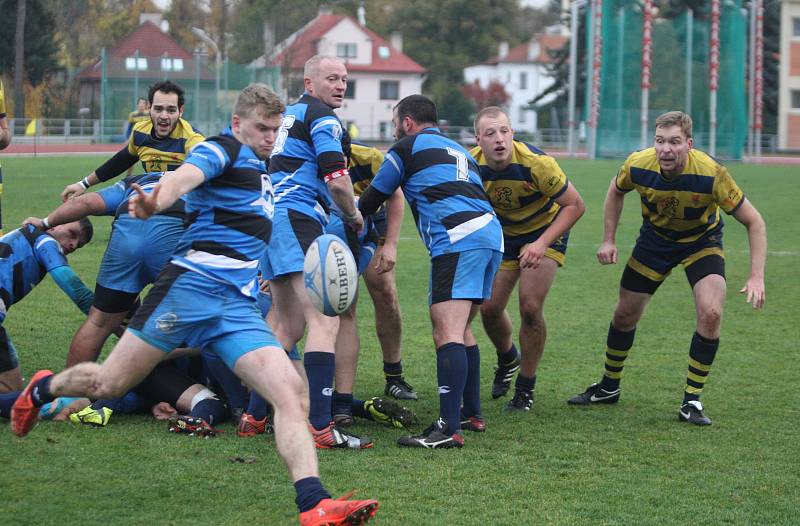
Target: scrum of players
[(220, 227)]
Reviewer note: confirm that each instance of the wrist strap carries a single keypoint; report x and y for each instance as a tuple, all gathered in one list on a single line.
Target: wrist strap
[(85, 183), (45, 224)]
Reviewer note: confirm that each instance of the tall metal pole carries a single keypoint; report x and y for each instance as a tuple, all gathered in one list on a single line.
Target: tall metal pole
[(751, 84), (136, 78), (620, 65), (647, 63), (759, 76), (103, 82), (597, 60), (196, 116), (689, 59), (573, 68), (713, 81)]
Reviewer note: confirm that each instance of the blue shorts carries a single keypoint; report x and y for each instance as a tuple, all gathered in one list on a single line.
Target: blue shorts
[(137, 251), (292, 234), (464, 275), (361, 245), (187, 308)]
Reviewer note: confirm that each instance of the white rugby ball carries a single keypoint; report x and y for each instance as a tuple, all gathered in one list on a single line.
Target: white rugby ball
[(330, 274)]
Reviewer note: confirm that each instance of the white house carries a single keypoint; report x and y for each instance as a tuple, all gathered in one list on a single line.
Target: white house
[(789, 85), (379, 74), (521, 71)]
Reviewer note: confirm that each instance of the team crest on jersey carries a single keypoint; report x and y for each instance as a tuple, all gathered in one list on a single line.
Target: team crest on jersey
[(668, 207), (166, 322), (502, 197), (336, 130)]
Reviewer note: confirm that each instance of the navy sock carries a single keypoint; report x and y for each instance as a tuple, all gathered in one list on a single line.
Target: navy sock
[(309, 492), (7, 401), (258, 407), (128, 404), (342, 403), (212, 410), (235, 391), (40, 394), (523, 383), (505, 358), (472, 389), (357, 407), (451, 373), (320, 368), (393, 369)]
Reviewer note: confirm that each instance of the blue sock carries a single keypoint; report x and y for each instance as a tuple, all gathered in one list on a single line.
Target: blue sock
[(235, 391), (258, 408), (7, 401), (342, 403), (357, 407), (128, 404), (451, 373), (320, 368), (212, 410), (309, 492), (472, 389)]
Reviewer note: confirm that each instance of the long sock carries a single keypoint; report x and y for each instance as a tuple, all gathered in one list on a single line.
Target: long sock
[(258, 407), (524, 383), (342, 403), (507, 357), (320, 368), (393, 370), (212, 410), (357, 407), (451, 373), (472, 389), (618, 345), (235, 391), (701, 355), (128, 404), (309, 492), (40, 394), (7, 401)]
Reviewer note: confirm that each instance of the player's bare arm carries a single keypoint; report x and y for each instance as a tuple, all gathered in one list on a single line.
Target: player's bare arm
[(386, 255), (76, 189), (72, 210), (572, 208), (757, 237), (341, 189), (612, 211), (173, 185)]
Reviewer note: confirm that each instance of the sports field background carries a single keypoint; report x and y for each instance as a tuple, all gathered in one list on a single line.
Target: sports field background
[(632, 463)]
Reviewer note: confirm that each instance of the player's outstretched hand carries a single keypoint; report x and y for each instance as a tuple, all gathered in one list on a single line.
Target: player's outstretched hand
[(162, 411), (531, 255), (357, 224), (143, 205), (35, 221), (607, 253), (754, 288), (72, 190), (385, 258)]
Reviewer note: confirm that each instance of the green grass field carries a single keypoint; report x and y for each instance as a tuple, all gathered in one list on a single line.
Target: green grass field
[(632, 463)]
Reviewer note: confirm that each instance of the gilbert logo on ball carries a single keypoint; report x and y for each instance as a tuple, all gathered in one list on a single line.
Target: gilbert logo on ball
[(330, 275)]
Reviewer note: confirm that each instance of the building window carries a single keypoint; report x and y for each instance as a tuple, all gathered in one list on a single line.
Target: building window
[(350, 92), (171, 64), (133, 63), (796, 27), (383, 52), (523, 113), (390, 89), (523, 80), (795, 99), (346, 50), (386, 130)]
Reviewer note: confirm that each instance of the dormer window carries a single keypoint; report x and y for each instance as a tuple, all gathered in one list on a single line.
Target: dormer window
[(383, 52), (346, 50), (134, 63), (171, 64)]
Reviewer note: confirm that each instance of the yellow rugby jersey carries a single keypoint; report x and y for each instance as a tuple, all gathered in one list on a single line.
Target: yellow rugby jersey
[(2, 101), (523, 194), (685, 209), (138, 116), (159, 155), (363, 165)]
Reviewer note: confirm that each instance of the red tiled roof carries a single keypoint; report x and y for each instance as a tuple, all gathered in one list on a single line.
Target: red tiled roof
[(519, 54), (305, 46)]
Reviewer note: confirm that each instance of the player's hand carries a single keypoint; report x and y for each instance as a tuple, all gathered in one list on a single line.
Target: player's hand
[(754, 288), (162, 411), (385, 258), (263, 285), (73, 407), (607, 253), (357, 223), (143, 205), (72, 190), (35, 221), (531, 255)]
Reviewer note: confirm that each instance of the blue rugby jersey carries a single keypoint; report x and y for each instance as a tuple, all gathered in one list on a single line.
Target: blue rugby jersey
[(234, 214), (440, 181), (117, 195), (26, 256), (308, 147)]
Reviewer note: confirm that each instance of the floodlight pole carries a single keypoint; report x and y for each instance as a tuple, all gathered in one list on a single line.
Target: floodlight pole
[(573, 71), (202, 35), (758, 101), (713, 83), (597, 59), (647, 63)]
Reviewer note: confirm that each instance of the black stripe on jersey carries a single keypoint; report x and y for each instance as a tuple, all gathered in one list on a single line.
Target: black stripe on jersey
[(454, 188), (432, 157), (694, 212), (160, 289), (528, 199), (212, 247), (699, 184), (330, 162), (5, 250), (453, 220), (6, 297), (304, 228), (166, 144), (680, 234), (244, 178), (18, 282), (504, 221), (229, 144), (31, 234), (281, 163), (514, 172), (253, 225)]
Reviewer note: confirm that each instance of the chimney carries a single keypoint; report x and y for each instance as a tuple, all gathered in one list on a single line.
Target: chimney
[(362, 15), (324, 10), (396, 40), (502, 51), (155, 18)]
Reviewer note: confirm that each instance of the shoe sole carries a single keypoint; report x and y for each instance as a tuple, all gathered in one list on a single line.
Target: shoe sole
[(362, 515), (395, 413), (688, 420), (23, 419)]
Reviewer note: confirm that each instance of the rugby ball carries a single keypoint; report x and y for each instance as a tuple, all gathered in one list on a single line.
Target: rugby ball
[(330, 274)]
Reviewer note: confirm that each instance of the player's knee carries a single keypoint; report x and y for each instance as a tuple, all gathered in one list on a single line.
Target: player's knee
[(531, 313), (491, 312), (710, 318)]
